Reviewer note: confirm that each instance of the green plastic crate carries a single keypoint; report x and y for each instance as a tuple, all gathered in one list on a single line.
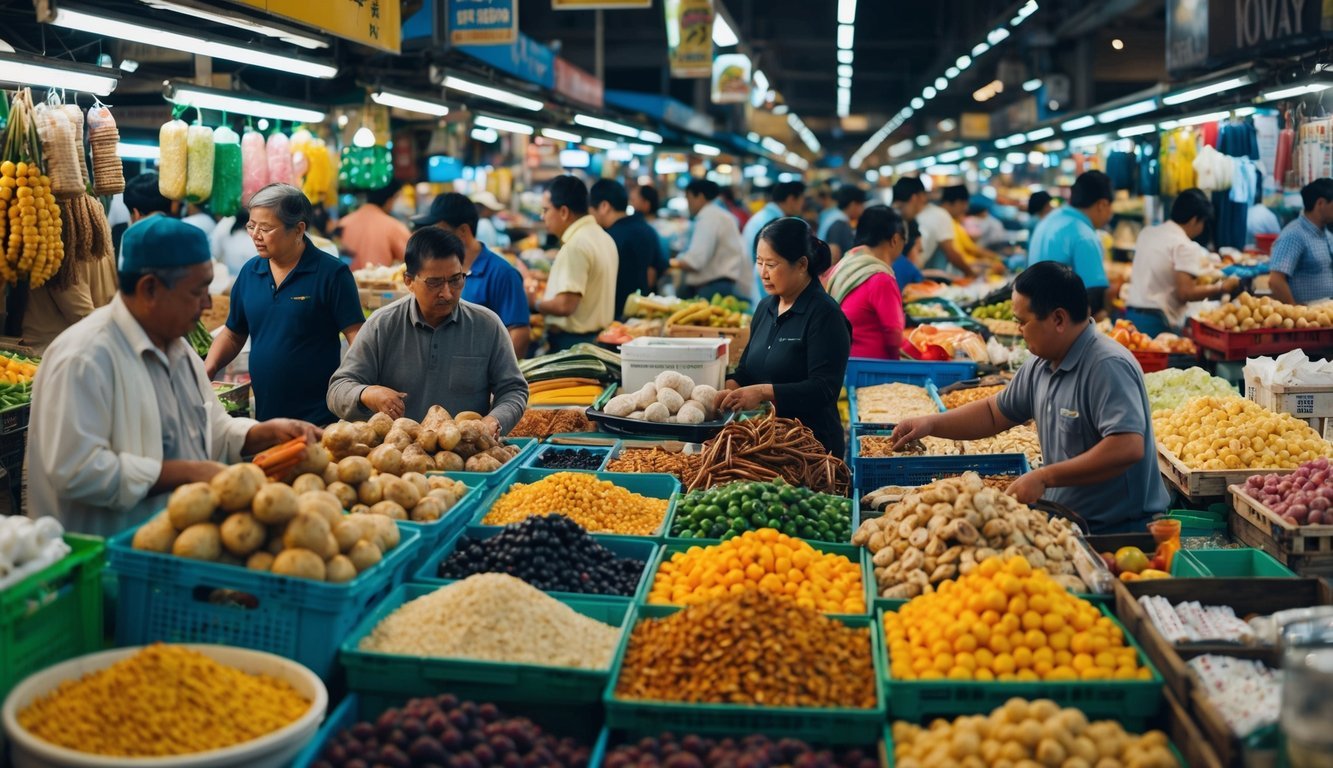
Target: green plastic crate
[(382, 675), (1132, 702), (54, 614), (823, 725), (893, 604), (608, 740), (1228, 564)]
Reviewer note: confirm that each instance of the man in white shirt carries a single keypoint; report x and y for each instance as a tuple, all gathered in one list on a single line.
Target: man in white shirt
[(1166, 263), (122, 412), (715, 262), (937, 231)]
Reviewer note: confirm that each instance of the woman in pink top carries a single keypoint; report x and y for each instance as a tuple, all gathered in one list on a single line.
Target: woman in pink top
[(863, 283)]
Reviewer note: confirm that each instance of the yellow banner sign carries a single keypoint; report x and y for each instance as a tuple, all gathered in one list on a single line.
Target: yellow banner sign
[(376, 23), (690, 37)]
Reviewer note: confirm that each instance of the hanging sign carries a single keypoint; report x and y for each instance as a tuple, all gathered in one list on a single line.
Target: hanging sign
[(577, 84), (376, 23), (690, 37), (593, 5), (731, 79), (483, 22)]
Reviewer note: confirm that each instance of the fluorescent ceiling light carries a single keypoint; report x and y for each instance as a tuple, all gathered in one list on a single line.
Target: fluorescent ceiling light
[(1017, 158), (707, 150), (1206, 90), (963, 62), (409, 103), (1136, 130), (600, 143), (752, 136), (1211, 117), (485, 135), (610, 126), (497, 124), (918, 102), (52, 73), (138, 151), (559, 135), (1032, 85), (941, 83), (494, 94), (1129, 110), (1037, 158), (969, 151), (1088, 141), (951, 157), (872, 175), (846, 33), (642, 149), (846, 11), (997, 36), (761, 81), (241, 22), (652, 137), (723, 35), (846, 57), (1017, 138), (1295, 90), (980, 48), (133, 31), (901, 148), (1001, 143), (952, 72), (844, 70), (947, 125), (780, 109), (928, 92), (1040, 133), (241, 104), (844, 82), (923, 140), (1079, 123), (774, 146)]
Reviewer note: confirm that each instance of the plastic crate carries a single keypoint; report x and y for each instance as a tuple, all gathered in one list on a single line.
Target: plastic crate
[(854, 410), (398, 676), (883, 747), (657, 486), (1132, 702), (448, 527), (54, 614), (866, 371), (1239, 345), (824, 725), (1150, 361), (534, 460), (912, 471), (15, 418), (171, 599), (671, 521), (634, 547), (491, 479), (953, 312), (1228, 564)]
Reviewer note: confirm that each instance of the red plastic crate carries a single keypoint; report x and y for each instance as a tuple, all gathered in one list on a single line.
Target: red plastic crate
[(1151, 361), (1238, 345)]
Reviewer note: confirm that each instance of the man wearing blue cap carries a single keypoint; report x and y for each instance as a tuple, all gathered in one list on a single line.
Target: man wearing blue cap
[(122, 412)]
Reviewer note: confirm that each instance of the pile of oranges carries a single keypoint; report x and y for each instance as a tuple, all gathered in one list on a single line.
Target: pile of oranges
[(1007, 621), (766, 560)]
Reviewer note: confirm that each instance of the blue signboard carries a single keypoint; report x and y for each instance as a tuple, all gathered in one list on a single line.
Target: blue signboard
[(482, 22), (526, 59)]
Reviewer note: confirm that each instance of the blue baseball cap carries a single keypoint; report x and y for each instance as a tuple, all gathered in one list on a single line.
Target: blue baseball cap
[(162, 242)]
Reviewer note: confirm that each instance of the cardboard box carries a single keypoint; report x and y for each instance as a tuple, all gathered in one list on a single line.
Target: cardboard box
[(703, 360)]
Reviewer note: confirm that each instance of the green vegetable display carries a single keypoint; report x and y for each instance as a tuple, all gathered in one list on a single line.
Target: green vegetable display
[(1001, 311), (729, 510), (200, 340)]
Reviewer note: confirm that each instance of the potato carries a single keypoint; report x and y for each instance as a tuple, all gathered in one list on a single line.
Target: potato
[(339, 438), (309, 531), (321, 503), (387, 459), (275, 503), (646, 396), (315, 460), (360, 449), (685, 386), (658, 412), (401, 492), (705, 396), (345, 493), (301, 563), (386, 531), (237, 485), (671, 399), (381, 423), (260, 561), (482, 463), (351, 530), (666, 380), (448, 461), (365, 434), (358, 509), (339, 570), (371, 492), (446, 496), (242, 534), (428, 510), (201, 541), (420, 481), (330, 474), (274, 545), (418, 464), (191, 504), (690, 413), (398, 438), (364, 555), (448, 435), (467, 416), (428, 440), (390, 509), (411, 427), (620, 405), (354, 470), (156, 535), (309, 482)]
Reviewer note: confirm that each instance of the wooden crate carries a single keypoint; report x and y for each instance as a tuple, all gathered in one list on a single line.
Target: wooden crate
[(739, 336), (1301, 402), (1203, 483), (1252, 534), (1296, 539), (1187, 736)]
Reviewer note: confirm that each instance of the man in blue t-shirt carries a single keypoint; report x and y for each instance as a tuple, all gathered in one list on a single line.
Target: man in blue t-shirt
[(642, 260), (491, 281), (1069, 236)]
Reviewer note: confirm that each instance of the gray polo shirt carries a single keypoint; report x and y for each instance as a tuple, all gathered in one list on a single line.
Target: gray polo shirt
[(466, 364), (1096, 391)]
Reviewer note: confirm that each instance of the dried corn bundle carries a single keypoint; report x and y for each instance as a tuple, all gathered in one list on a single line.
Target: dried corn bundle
[(171, 167), (280, 170), (87, 235), (31, 225), (75, 116), (59, 150), (254, 164), (103, 138), (199, 163), (226, 172)]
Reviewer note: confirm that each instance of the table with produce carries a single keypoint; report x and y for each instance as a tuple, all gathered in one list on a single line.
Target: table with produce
[(689, 589)]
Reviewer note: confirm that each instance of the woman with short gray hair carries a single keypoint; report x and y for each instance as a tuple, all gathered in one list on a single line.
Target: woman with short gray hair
[(291, 301)]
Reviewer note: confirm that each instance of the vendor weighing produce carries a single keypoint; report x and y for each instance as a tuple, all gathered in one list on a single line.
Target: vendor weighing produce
[(1087, 395)]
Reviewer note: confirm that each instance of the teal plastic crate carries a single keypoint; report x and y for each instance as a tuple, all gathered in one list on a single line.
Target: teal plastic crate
[(856, 554), (1131, 702), (657, 486), (853, 516), (391, 676), (952, 312), (534, 460), (824, 725), (451, 524), (1228, 564), (527, 445), (609, 739), (637, 548)]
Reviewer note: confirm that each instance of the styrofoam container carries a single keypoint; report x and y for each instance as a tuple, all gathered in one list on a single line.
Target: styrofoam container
[(273, 750), (703, 360)]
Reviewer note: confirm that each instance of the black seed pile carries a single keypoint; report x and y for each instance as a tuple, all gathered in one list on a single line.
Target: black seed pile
[(571, 458)]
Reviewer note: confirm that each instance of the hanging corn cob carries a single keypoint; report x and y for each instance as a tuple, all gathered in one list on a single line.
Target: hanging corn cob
[(254, 164), (171, 167), (32, 227), (279, 155), (103, 137), (226, 172), (198, 163)]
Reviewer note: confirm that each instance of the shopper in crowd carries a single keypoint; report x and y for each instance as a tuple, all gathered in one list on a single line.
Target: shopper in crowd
[(491, 281), (785, 199), (727, 198), (863, 284), (838, 229), (979, 260), (909, 197), (291, 301), (432, 348), (1069, 235), (984, 226), (487, 206), (1167, 262), (1086, 393), (645, 202), (1260, 219), (1040, 205), (826, 205), (641, 258), (938, 233), (905, 268), (144, 199), (197, 215), (231, 246), (580, 295), (82, 283), (714, 263), (122, 412), (1301, 270), (799, 339), (370, 236)]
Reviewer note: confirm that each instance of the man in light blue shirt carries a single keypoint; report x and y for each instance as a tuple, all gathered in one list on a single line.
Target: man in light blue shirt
[(1069, 236), (1301, 270), (785, 199)]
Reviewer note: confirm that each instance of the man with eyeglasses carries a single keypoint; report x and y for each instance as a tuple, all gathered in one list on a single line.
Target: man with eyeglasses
[(432, 348)]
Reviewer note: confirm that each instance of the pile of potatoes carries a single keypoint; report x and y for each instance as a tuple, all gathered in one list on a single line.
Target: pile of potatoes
[(671, 398), (440, 442), (943, 530)]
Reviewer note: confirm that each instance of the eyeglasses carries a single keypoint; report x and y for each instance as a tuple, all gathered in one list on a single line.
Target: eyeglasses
[(454, 283), (251, 229)]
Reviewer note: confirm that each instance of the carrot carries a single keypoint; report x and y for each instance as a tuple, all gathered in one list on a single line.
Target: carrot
[(290, 451)]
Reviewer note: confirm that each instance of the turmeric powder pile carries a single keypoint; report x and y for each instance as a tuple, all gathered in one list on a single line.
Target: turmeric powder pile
[(164, 700)]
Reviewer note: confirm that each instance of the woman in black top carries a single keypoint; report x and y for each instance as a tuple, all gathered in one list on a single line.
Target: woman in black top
[(799, 340)]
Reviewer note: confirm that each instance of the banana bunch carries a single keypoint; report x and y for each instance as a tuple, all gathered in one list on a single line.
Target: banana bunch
[(704, 314)]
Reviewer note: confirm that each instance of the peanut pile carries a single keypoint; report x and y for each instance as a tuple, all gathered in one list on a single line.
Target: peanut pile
[(962, 397), (882, 446), (684, 466)]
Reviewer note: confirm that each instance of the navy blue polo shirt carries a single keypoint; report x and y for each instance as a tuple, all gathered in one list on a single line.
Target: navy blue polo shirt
[(293, 330), (496, 285)]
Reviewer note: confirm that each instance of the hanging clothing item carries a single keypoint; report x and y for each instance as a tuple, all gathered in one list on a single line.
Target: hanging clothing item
[(1244, 180), (1209, 134), (1149, 176), (1179, 148), (1237, 139), (1208, 169), (1120, 166)]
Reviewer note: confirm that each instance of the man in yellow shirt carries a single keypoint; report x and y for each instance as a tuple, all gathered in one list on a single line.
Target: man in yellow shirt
[(579, 300)]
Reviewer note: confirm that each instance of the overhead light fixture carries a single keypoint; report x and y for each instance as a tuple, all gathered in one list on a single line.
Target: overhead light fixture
[(20, 69), (760, 81), (952, 72), (928, 92), (846, 11), (409, 103), (780, 109), (499, 124), (1016, 139), (723, 35), (918, 102), (941, 83), (237, 103), (601, 143), (1032, 85), (754, 137), (610, 126), (707, 150), (1017, 158), (1001, 143), (991, 163), (923, 140), (652, 137), (1040, 133), (363, 138), (492, 93), (901, 148), (846, 34), (844, 82), (559, 135), (1294, 91), (642, 150), (1206, 90), (1118, 44), (1129, 110), (846, 57), (284, 34), (951, 157), (1136, 130), (844, 70), (997, 36), (1079, 123), (947, 125), (774, 146), (129, 66), (1211, 117), (980, 48), (485, 135), (1088, 141), (872, 175), (970, 151), (107, 25), (138, 151)]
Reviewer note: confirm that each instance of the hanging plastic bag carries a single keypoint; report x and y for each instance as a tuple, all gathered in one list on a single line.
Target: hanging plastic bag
[(279, 153), (254, 164), (103, 139), (171, 166), (226, 172)]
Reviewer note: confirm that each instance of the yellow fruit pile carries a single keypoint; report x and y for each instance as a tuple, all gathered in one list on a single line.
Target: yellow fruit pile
[(1247, 313), (598, 505), (16, 370), (765, 560), (1212, 433), (1006, 621)]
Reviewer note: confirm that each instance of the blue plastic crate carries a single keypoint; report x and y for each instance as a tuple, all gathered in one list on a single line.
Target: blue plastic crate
[(447, 528), (657, 486), (931, 389), (170, 599), (533, 461), (911, 471), (527, 445), (865, 371)]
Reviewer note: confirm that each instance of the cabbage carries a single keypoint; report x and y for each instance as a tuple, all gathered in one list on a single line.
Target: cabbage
[(1173, 388)]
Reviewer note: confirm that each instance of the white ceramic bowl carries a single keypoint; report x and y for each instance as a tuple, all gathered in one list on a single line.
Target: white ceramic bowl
[(272, 750)]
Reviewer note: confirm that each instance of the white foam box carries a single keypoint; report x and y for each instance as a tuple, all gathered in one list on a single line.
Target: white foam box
[(1301, 402), (703, 360)]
